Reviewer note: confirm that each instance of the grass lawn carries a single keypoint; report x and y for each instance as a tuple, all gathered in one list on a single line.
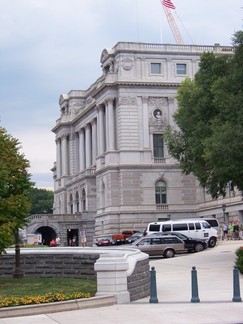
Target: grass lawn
[(39, 286)]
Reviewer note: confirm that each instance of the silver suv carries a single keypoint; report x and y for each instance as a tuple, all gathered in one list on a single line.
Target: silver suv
[(160, 245)]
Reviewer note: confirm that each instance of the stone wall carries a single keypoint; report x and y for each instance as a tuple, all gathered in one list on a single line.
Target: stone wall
[(115, 275), (139, 282), (51, 265)]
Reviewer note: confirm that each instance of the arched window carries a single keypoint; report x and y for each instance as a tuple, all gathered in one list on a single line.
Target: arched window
[(83, 199), (71, 204), (77, 202), (160, 193)]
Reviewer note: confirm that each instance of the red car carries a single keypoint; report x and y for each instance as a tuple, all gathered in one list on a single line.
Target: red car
[(104, 241)]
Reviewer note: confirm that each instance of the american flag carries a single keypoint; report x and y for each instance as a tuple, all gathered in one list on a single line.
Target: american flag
[(168, 4)]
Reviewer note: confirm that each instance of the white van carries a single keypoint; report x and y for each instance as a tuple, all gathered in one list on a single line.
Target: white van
[(194, 228)]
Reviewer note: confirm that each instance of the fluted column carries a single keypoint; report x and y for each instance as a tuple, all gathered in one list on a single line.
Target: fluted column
[(81, 150), (88, 145), (59, 158), (65, 155), (94, 141), (101, 130), (110, 125)]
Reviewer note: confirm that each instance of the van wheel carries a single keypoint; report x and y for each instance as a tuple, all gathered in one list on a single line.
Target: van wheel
[(212, 242), (169, 253), (198, 247)]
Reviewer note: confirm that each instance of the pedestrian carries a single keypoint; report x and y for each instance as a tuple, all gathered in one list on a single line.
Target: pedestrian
[(231, 231), (225, 232), (236, 231), (83, 235), (58, 241)]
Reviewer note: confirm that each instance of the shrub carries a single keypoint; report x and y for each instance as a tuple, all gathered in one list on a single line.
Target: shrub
[(239, 259)]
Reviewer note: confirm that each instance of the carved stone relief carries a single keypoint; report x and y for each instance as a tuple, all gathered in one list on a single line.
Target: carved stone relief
[(127, 101), (127, 64)]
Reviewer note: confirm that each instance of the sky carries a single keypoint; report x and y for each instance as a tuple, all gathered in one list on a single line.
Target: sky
[(49, 47)]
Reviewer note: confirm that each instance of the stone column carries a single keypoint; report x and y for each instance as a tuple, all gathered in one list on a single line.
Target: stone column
[(81, 150), (94, 140), (101, 130), (110, 124), (59, 158), (65, 155), (88, 145)]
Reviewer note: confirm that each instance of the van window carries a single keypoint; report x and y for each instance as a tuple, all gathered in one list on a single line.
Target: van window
[(180, 227), (191, 226), (205, 225), (166, 228), (154, 228), (198, 226), (213, 222)]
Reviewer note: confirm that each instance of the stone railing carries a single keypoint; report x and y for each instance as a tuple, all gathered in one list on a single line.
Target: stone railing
[(122, 271)]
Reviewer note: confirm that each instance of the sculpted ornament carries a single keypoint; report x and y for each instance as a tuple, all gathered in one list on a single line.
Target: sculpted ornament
[(127, 64), (157, 102), (129, 101)]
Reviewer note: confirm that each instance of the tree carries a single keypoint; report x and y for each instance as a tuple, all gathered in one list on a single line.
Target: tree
[(14, 185), (209, 142), (41, 201)]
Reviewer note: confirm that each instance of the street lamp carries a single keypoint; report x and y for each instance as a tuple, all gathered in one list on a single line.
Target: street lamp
[(224, 208)]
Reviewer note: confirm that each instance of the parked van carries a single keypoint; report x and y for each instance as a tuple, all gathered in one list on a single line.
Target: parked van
[(194, 228)]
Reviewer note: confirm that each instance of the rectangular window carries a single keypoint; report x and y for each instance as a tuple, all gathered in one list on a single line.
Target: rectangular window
[(191, 226), (154, 228), (155, 68), (158, 143), (180, 227), (181, 69), (166, 228)]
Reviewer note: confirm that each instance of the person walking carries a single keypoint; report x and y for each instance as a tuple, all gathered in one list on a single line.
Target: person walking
[(225, 232), (83, 235)]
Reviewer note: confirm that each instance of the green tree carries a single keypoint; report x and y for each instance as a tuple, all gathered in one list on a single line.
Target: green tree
[(41, 201), (14, 185), (209, 141)]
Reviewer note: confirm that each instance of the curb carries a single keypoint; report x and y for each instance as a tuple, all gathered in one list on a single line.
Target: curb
[(63, 306)]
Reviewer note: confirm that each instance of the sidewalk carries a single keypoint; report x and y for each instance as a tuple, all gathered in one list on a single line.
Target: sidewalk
[(173, 276)]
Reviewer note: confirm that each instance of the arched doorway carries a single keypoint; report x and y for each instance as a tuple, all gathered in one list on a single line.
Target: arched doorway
[(47, 233)]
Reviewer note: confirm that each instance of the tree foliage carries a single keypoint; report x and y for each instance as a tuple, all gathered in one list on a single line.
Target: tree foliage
[(14, 185), (41, 201), (209, 142)]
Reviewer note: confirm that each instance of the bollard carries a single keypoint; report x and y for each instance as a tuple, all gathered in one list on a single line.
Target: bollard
[(195, 298), (153, 289), (236, 286)]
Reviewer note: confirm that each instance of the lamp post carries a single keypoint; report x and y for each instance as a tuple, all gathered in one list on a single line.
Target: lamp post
[(224, 208)]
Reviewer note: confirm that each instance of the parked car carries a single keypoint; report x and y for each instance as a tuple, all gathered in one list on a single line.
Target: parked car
[(191, 244), (104, 241), (160, 245), (134, 237)]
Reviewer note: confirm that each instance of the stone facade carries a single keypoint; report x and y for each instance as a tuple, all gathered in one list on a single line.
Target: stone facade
[(112, 163)]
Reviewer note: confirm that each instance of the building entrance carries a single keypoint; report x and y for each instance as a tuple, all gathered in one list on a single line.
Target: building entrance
[(47, 233), (72, 237)]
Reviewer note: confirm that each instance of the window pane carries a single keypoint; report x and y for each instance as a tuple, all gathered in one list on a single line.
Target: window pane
[(181, 68), (155, 68), (166, 228), (160, 193), (158, 143), (180, 227)]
